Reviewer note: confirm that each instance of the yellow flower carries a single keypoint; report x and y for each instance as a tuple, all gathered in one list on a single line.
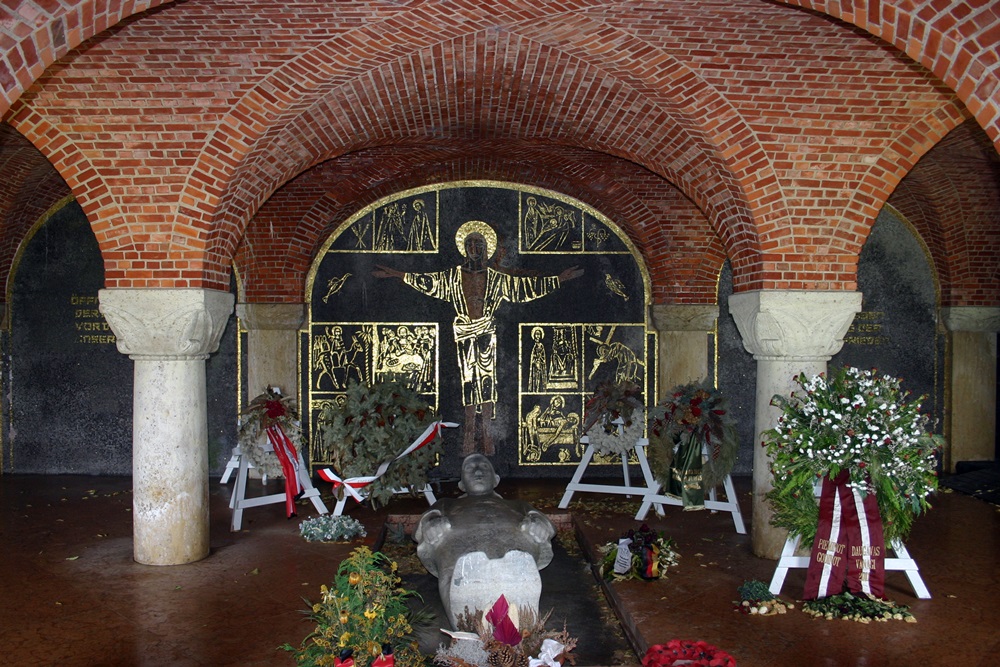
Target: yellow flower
[(344, 639), (370, 614)]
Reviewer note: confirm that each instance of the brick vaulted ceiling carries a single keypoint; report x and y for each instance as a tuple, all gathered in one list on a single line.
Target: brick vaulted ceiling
[(204, 133)]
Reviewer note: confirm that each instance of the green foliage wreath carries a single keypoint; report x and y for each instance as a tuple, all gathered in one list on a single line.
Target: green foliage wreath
[(374, 424), (696, 413), (857, 421)]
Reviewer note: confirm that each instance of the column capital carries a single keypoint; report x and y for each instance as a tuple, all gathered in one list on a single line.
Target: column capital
[(971, 318), (794, 325), (273, 316), (684, 317), (166, 323)]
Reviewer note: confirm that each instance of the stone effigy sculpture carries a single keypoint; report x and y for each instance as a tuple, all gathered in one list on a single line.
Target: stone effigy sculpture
[(481, 546)]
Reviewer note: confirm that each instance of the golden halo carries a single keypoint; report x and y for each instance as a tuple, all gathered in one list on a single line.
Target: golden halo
[(477, 227)]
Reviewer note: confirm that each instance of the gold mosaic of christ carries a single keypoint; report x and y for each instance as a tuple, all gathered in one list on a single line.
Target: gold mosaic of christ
[(477, 291)]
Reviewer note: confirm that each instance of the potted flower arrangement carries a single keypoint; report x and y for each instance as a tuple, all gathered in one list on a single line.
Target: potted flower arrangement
[(372, 425), (693, 443), (614, 417), (859, 423), (363, 616)]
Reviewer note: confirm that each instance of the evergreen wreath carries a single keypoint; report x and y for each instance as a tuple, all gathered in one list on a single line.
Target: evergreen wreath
[(693, 412), (373, 425), (614, 417), (857, 421), (264, 411)]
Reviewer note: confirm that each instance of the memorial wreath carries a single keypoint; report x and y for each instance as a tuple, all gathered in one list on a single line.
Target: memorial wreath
[(265, 411), (858, 424), (693, 443), (614, 418), (373, 425)]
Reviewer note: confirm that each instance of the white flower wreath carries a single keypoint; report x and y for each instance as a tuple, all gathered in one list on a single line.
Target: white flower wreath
[(267, 409), (616, 436)]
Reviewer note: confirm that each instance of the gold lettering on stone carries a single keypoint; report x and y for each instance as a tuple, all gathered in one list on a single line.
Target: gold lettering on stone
[(88, 322)]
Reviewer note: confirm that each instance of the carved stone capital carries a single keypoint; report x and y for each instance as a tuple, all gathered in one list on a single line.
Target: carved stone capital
[(171, 324), (684, 317), (793, 324), (971, 318), (271, 316)]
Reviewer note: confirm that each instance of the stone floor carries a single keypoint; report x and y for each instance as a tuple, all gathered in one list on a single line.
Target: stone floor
[(72, 595)]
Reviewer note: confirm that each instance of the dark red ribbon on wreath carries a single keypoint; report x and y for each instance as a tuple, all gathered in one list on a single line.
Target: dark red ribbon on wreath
[(849, 547), (284, 449)]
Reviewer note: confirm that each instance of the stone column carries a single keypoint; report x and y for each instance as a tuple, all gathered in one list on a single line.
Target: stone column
[(168, 333), (272, 345), (683, 343), (788, 332), (972, 422)]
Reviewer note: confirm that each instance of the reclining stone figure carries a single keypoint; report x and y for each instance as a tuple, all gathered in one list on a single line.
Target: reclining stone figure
[(481, 546)]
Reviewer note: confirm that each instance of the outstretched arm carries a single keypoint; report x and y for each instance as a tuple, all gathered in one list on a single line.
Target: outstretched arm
[(570, 273), (538, 527), (385, 272)]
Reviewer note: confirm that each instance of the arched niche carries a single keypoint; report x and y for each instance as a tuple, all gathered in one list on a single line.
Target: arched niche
[(554, 343), (67, 389)]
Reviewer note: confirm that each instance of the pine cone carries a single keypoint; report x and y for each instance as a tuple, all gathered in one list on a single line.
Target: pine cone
[(504, 656)]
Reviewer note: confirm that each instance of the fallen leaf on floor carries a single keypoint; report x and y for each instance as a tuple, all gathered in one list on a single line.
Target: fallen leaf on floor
[(72, 558), (256, 570)]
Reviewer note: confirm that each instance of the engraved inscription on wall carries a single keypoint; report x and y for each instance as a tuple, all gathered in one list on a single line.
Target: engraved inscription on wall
[(89, 324), (866, 329)]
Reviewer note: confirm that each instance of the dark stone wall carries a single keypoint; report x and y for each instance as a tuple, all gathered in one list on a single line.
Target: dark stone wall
[(364, 326), (897, 331), (68, 391)]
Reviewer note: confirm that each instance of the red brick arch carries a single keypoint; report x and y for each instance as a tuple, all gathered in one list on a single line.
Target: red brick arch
[(645, 127), (953, 201), (718, 163), (957, 42), (285, 235), (40, 33)]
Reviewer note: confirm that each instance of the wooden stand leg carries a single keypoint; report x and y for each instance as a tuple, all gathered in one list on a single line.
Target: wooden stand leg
[(902, 562)]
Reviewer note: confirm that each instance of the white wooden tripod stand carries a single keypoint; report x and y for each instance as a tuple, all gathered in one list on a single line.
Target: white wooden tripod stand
[(576, 485), (903, 561), (239, 502), (342, 502), (656, 499)]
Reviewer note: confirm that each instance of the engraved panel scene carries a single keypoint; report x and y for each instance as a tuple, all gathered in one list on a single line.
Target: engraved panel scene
[(562, 365), (500, 303)]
